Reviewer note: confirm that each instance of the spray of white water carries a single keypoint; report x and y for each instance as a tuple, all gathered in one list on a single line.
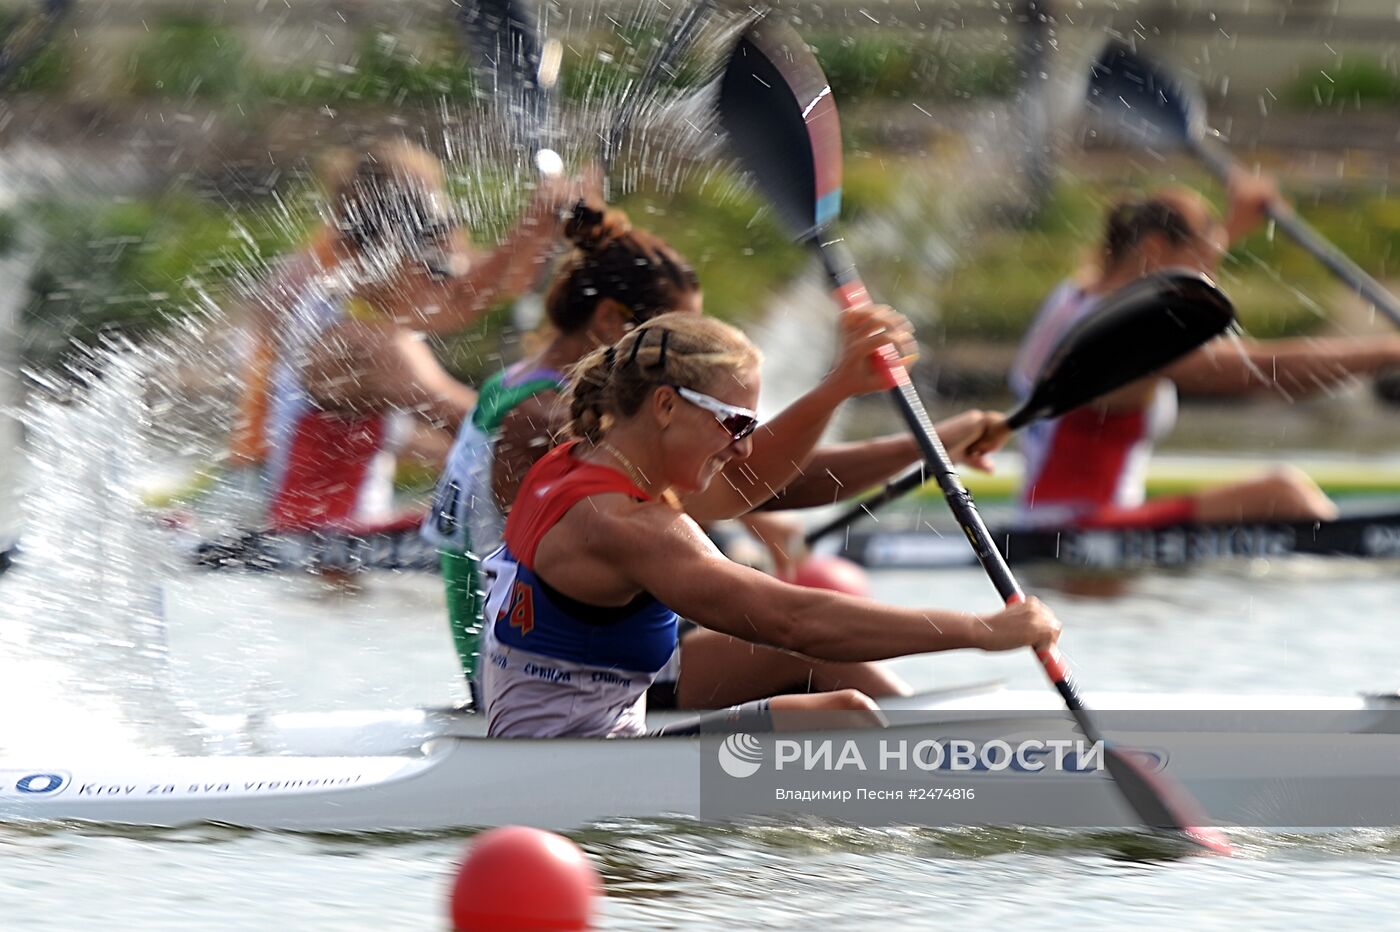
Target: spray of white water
[(81, 621), (80, 643)]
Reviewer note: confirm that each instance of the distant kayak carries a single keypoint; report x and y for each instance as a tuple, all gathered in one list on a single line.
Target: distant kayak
[(1374, 536), (1179, 475)]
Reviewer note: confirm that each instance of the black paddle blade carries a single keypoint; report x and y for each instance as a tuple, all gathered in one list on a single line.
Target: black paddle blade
[(776, 106), (504, 41), (1135, 331), (1142, 99), (1161, 804)]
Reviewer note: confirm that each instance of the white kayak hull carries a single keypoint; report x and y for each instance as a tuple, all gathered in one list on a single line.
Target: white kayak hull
[(372, 733), (356, 733), (461, 782), (457, 783)]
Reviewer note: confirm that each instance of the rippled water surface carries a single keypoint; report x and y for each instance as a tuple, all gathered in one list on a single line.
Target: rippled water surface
[(240, 642)]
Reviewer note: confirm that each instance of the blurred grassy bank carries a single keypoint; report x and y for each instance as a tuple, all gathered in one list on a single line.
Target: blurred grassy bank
[(138, 264)]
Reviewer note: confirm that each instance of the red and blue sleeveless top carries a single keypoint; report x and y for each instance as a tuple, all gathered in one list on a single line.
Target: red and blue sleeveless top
[(555, 666)]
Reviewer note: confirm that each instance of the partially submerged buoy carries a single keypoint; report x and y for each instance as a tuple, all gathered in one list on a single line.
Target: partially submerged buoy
[(515, 879), (835, 573)]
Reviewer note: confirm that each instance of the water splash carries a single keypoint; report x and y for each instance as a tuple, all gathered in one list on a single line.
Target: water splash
[(82, 619)]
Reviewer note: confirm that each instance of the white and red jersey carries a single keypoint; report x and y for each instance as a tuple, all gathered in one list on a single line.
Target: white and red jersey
[(322, 469), (1089, 462)]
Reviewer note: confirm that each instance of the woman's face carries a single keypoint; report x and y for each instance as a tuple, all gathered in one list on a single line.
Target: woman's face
[(407, 231), (696, 445)]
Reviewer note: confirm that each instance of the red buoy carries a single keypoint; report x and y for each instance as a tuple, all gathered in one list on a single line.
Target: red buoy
[(517, 878), (835, 573)]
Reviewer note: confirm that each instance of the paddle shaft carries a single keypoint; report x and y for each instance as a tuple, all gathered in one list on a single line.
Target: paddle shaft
[(851, 293), (894, 489), (1222, 164)]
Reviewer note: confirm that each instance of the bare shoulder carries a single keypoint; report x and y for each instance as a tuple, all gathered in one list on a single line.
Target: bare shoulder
[(618, 526), (533, 422)]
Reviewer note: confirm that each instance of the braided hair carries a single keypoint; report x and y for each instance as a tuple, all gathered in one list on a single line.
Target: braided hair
[(673, 349), (611, 259)]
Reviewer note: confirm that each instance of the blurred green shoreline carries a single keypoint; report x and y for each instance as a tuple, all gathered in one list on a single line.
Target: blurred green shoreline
[(137, 264)]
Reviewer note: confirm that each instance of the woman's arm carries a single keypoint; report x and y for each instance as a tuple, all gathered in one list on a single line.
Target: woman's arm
[(1295, 367), (783, 445), (840, 471), (836, 472), (447, 306), (665, 553), (753, 606)]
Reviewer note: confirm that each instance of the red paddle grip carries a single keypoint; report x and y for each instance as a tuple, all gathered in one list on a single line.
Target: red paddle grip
[(852, 294), (1054, 664), (886, 360)]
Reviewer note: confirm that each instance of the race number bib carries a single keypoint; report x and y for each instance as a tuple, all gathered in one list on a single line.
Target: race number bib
[(498, 571)]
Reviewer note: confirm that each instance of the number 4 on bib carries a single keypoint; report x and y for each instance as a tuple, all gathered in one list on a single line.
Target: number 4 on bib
[(522, 608)]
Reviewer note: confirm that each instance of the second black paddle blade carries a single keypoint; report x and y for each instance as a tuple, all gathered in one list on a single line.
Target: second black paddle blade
[(1161, 804), (1135, 96), (1135, 331), (776, 107)]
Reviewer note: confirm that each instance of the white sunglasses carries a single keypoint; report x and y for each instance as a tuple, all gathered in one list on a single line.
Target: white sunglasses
[(737, 422)]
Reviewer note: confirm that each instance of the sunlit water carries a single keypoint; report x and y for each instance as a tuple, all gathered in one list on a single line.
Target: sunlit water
[(103, 644), (248, 642)]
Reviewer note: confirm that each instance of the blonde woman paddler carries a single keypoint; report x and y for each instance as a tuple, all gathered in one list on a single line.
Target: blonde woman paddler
[(616, 278), (601, 551)]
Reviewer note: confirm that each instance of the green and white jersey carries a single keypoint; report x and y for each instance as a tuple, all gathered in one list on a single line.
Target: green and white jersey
[(464, 516)]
